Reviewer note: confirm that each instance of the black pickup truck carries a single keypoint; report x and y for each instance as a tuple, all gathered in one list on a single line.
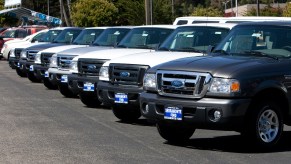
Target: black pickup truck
[(243, 85)]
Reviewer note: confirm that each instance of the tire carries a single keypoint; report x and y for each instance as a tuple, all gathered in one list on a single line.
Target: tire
[(49, 85), (264, 124), (32, 78), (89, 100), (65, 91), (175, 133), (126, 115), (20, 73)]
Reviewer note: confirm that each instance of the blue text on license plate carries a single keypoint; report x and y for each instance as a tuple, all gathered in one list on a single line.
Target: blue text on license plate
[(88, 87), (64, 78), (121, 98), (173, 113), (31, 68), (46, 74)]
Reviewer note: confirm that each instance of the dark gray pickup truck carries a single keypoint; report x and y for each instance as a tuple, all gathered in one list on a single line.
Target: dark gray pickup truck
[(243, 85)]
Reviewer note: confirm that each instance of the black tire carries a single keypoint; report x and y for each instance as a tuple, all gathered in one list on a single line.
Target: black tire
[(89, 100), (20, 73), (32, 78), (264, 124), (175, 133), (126, 115), (65, 91), (49, 85)]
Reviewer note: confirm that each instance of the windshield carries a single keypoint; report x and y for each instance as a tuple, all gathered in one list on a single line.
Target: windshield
[(9, 34), (193, 38), (87, 36), (111, 36), (256, 40), (147, 38), (67, 36), (50, 35)]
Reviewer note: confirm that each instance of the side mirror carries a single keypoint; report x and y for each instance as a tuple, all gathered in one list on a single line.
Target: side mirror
[(209, 49)]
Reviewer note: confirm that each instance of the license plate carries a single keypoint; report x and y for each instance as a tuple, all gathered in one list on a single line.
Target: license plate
[(46, 74), (31, 68), (88, 87), (121, 98), (173, 113), (64, 78), (18, 65)]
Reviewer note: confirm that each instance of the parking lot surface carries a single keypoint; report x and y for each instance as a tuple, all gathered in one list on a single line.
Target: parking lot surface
[(38, 125)]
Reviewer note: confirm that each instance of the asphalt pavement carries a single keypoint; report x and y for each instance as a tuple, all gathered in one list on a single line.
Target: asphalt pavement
[(38, 125)]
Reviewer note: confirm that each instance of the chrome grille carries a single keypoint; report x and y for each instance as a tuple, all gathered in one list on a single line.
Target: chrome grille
[(64, 61), (17, 52), (90, 67), (182, 84), (30, 54), (45, 58), (125, 74)]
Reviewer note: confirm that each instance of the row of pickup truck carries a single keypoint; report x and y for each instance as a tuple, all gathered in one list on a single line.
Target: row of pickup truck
[(219, 76)]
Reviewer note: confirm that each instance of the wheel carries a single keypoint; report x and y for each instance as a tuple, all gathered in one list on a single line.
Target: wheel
[(20, 73), (175, 133), (32, 78), (49, 85), (264, 125), (89, 100), (65, 91), (125, 114)]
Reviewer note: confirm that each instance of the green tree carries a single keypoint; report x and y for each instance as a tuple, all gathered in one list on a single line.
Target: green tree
[(267, 11), (287, 10), (162, 12), (87, 13), (130, 12), (209, 11)]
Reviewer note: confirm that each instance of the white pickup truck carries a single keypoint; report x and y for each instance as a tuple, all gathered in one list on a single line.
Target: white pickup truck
[(42, 58), (121, 79), (61, 61), (85, 68)]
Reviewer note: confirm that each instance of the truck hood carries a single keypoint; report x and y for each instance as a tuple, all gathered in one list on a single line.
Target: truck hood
[(40, 47), (61, 48), (225, 66), (151, 59), (82, 50), (112, 53), (27, 44)]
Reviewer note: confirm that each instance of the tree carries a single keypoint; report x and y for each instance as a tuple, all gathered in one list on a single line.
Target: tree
[(287, 10), (210, 12), (266, 11), (130, 12), (88, 13)]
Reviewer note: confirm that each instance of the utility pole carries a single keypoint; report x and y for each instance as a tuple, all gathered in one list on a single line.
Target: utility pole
[(148, 12), (48, 7), (258, 7)]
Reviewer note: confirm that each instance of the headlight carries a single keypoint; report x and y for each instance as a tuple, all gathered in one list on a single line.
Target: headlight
[(23, 54), (104, 74), (12, 53), (149, 81), (37, 58), (221, 85), (74, 67), (54, 61)]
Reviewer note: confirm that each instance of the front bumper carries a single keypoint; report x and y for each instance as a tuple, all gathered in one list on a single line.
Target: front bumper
[(106, 94), (24, 65), (76, 84), (197, 112), (39, 71), (55, 76), (13, 62)]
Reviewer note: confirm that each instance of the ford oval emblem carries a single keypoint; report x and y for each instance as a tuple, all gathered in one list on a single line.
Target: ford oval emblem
[(91, 67), (177, 84), (124, 74)]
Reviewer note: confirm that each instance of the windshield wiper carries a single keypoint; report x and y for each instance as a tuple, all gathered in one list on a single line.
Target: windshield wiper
[(143, 46), (260, 54), (223, 52), (163, 49), (192, 49), (122, 46)]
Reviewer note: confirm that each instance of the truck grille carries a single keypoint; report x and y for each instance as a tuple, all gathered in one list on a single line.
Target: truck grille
[(64, 61), (182, 84), (17, 52), (31, 55), (90, 67), (45, 58), (125, 74)]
